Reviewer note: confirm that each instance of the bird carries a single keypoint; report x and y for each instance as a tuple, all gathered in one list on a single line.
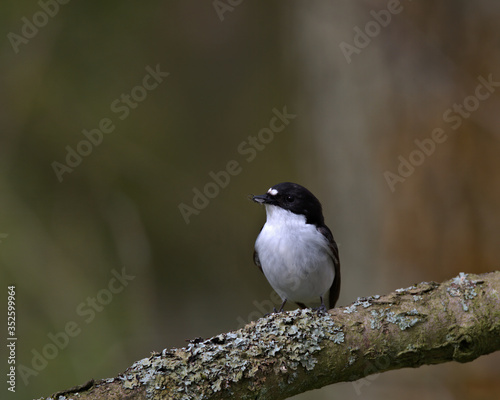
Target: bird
[(295, 250)]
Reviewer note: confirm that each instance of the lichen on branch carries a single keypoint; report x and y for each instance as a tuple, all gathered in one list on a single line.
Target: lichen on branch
[(284, 354)]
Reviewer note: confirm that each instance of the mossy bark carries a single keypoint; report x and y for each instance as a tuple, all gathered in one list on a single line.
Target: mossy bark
[(289, 353)]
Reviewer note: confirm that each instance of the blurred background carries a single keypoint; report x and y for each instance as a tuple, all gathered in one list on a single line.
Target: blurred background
[(363, 80)]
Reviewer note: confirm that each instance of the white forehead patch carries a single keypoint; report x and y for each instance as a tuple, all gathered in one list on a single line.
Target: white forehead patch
[(272, 192)]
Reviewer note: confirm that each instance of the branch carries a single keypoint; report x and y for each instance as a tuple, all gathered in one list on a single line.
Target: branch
[(284, 354)]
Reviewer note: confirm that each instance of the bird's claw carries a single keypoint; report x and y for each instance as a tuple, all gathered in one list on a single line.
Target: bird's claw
[(321, 309)]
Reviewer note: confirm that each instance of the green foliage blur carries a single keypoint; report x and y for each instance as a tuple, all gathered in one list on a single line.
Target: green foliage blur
[(120, 232), (118, 207)]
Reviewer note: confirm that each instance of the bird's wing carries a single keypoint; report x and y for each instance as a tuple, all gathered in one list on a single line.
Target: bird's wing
[(335, 288), (256, 260), (256, 257)]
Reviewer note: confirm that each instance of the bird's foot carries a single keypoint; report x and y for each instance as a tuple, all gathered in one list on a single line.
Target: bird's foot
[(321, 309), (273, 312)]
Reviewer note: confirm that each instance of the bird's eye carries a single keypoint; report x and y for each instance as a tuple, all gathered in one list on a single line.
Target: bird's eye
[(289, 198)]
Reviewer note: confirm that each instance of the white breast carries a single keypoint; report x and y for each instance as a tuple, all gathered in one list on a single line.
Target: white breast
[(294, 256)]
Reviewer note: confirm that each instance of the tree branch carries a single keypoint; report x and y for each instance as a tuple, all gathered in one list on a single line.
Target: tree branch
[(284, 354)]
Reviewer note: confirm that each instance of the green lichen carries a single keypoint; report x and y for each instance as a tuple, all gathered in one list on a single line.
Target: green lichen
[(364, 302), (279, 341), (404, 290), (403, 320), (461, 286)]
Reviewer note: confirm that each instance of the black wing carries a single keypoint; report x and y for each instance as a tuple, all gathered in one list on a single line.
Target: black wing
[(256, 257), (335, 288)]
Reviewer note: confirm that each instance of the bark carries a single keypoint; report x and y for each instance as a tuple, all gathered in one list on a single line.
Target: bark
[(284, 354)]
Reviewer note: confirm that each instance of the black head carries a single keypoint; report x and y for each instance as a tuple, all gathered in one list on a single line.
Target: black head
[(295, 198)]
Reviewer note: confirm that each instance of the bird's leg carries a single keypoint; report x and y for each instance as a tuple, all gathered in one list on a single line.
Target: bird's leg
[(282, 305), (277, 311), (322, 308)]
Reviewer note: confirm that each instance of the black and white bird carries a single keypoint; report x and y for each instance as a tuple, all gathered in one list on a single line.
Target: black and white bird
[(295, 249)]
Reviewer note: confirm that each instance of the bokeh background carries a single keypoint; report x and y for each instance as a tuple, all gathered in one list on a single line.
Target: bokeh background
[(229, 66)]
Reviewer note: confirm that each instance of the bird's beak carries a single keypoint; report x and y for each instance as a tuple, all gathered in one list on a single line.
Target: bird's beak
[(262, 198)]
